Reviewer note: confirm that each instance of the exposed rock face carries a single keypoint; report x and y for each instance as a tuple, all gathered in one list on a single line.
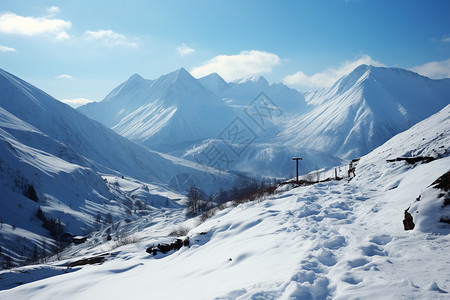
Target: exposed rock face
[(165, 248), (89, 261), (408, 223)]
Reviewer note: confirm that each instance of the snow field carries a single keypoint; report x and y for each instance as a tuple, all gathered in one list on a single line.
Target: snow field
[(337, 239)]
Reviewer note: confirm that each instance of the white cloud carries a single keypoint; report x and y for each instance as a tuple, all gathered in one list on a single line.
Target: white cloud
[(7, 49), (76, 102), (53, 10), (64, 76), (185, 50), (242, 65), (434, 69), (63, 36), (109, 38), (330, 75), (445, 40), (13, 24)]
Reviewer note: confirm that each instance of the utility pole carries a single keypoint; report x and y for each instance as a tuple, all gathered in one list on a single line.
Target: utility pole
[(297, 159)]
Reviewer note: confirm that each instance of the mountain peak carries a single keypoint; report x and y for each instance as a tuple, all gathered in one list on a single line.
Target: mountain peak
[(369, 105), (213, 76), (180, 75), (182, 72), (365, 73), (214, 83), (135, 77), (353, 78)]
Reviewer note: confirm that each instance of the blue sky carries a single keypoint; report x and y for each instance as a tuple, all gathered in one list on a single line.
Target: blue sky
[(83, 49)]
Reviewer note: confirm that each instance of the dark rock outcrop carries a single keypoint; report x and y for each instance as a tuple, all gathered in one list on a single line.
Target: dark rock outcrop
[(413, 160), (408, 223), (89, 261), (165, 248)]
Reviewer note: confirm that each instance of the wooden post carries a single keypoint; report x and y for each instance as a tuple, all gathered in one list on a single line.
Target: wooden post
[(297, 159)]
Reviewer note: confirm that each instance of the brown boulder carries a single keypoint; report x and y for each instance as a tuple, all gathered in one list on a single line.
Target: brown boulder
[(408, 223)]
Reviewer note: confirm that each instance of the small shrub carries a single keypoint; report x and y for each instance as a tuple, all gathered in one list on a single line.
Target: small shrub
[(108, 218), (125, 240), (180, 231), (208, 214)]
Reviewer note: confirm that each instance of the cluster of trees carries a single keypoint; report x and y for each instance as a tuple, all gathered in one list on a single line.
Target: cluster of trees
[(245, 190), (54, 226), (6, 260), (196, 203), (108, 218), (137, 205)]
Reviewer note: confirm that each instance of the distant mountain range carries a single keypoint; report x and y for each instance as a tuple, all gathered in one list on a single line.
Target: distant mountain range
[(184, 116)]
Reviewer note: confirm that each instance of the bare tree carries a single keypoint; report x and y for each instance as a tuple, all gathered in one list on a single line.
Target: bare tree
[(194, 201), (108, 218)]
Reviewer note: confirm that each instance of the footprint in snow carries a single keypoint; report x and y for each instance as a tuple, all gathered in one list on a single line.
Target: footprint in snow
[(357, 262), (351, 280), (373, 250), (382, 239), (327, 258), (335, 242)]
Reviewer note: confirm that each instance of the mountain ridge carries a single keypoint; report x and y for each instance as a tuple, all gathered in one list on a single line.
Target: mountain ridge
[(365, 108)]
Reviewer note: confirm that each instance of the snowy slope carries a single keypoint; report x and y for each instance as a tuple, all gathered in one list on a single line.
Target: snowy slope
[(365, 108), (164, 114), (72, 193), (340, 240)]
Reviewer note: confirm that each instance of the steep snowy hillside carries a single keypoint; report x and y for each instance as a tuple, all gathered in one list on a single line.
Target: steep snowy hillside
[(38, 172), (165, 114), (365, 108), (242, 92), (338, 239)]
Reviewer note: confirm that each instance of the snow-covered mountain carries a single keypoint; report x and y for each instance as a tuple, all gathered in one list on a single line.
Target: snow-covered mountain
[(364, 109), (164, 114), (331, 240), (74, 169)]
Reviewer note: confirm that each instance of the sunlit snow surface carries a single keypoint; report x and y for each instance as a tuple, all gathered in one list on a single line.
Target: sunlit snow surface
[(342, 240)]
